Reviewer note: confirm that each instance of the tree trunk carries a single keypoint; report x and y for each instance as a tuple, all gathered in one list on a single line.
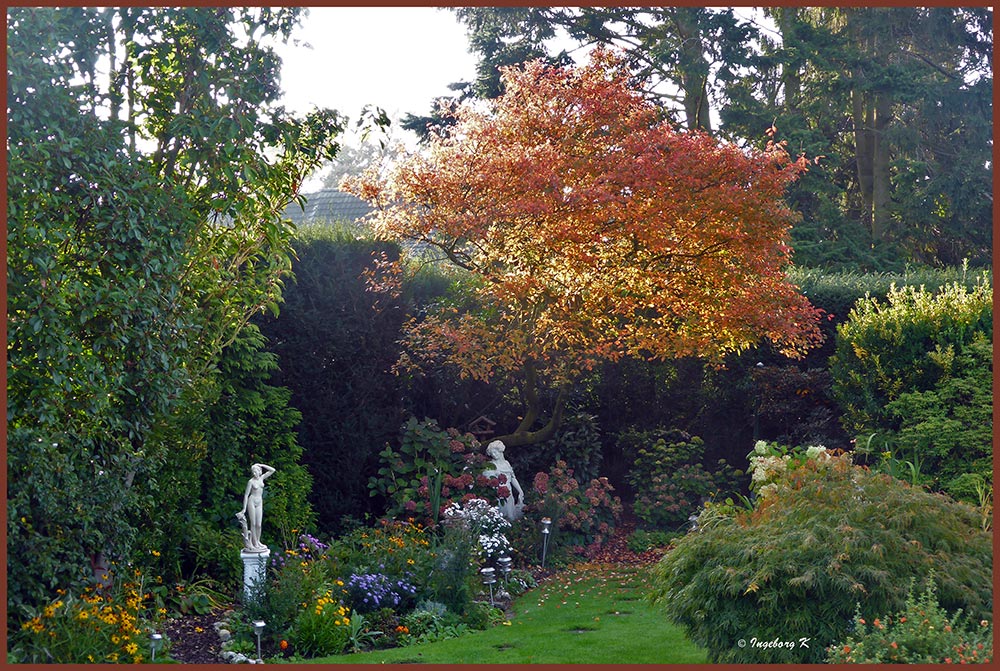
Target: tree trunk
[(694, 69), (881, 186), (523, 434), (863, 150)]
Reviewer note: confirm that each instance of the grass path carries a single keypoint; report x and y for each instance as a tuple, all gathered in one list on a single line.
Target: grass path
[(587, 614)]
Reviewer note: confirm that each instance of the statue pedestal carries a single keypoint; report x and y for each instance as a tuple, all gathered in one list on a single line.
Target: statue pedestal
[(254, 573)]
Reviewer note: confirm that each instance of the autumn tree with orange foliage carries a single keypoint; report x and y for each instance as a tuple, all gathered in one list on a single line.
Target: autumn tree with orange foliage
[(588, 229)]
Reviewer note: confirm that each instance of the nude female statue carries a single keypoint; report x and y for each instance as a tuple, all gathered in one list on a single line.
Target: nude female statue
[(253, 502), (512, 506)]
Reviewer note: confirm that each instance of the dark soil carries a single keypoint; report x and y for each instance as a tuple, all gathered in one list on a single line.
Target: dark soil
[(193, 639)]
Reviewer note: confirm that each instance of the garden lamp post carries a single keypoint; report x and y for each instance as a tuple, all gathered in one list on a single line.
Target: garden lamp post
[(258, 628), (489, 578), (155, 641), (546, 523), (504, 563)]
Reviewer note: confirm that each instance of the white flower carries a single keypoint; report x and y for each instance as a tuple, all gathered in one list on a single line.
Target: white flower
[(760, 447), (817, 452)]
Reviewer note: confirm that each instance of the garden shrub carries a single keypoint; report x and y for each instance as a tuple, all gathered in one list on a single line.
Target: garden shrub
[(431, 468), (582, 518), (828, 536), (948, 428), (321, 628), (903, 345), (487, 525), (921, 633), (670, 482)]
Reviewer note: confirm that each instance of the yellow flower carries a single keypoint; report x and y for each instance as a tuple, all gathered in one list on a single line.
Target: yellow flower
[(155, 553), (82, 615), (131, 648)]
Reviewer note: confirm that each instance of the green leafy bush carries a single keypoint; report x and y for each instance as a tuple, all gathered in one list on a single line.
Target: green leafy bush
[(903, 345), (641, 540), (323, 627), (431, 468), (948, 428), (829, 535), (921, 633), (670, 482)]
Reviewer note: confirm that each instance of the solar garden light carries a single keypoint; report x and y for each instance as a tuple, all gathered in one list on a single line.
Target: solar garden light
[(155, 641), (489, 578), (546, 523), (504, 563), (258, 628)]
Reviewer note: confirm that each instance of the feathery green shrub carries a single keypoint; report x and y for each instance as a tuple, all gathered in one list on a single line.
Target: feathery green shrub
[(829, 536)]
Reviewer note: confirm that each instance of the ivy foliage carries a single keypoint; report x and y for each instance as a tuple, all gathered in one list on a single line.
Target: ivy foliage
[(148, 166), (831, 536)]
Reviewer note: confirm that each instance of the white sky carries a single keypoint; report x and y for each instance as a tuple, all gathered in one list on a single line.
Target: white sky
[(397, 58)]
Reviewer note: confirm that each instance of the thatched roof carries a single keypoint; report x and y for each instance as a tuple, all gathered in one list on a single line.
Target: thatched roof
[(328, 205)]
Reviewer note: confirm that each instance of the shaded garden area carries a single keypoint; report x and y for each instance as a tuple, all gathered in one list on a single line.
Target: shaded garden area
[(794, 462)]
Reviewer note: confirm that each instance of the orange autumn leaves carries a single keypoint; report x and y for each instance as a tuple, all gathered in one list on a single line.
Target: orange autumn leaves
[(588, 228)]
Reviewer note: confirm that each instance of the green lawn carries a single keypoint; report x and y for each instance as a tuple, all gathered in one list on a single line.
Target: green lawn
[(584, 615)]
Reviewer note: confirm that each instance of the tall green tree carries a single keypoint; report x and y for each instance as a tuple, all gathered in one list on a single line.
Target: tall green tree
[(684, 53), (148, 164), (897, 100)]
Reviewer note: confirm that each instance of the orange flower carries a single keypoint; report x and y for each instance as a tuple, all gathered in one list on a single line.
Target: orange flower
[(893, 645), (283, 645)]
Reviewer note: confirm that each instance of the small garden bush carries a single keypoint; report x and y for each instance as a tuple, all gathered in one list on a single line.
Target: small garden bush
[(322, 627), (823, 536), (921, 633), (948, 429), (431, 468), (583, 518), (670, 482)]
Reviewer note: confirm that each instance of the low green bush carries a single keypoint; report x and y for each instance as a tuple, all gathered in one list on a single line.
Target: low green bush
[(322, 627), (641, 540), (827, 536), (921, 633), (948, 428)]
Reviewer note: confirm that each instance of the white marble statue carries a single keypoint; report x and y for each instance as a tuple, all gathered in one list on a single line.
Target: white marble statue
[(253, 508), (512, 506)]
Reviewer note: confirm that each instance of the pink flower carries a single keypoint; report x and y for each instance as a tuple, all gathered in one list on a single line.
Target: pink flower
[(410, 506), (456, 447), (503, 491)]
